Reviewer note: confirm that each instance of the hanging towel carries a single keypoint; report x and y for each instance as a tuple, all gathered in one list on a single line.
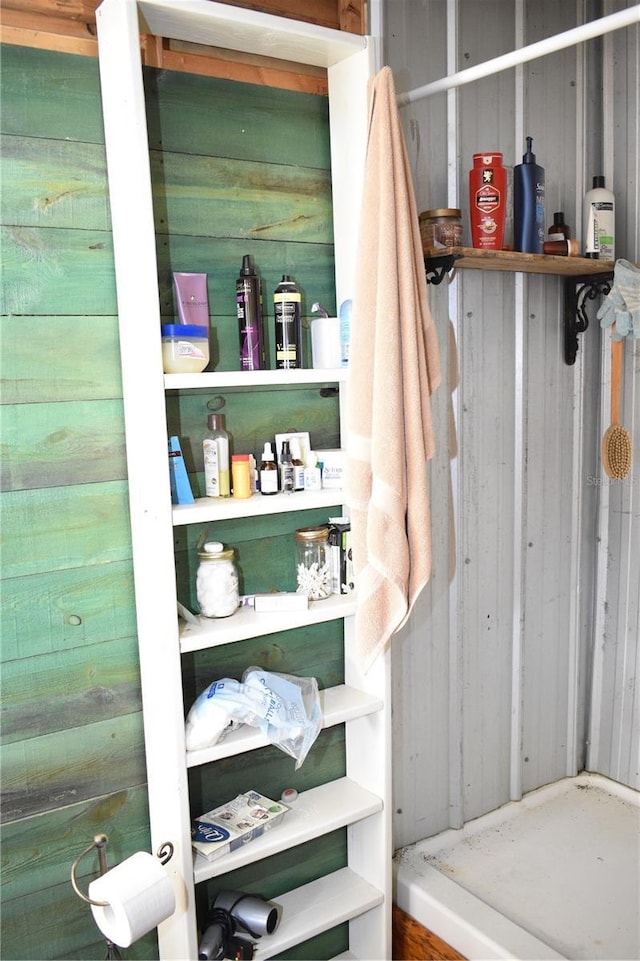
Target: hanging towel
[(394, 366)]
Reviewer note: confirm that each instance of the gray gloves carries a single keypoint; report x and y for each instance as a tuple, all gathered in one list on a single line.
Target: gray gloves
[(621, 306)]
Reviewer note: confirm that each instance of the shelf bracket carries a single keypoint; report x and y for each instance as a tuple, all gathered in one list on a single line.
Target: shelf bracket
[(578, 291), (437, 268)]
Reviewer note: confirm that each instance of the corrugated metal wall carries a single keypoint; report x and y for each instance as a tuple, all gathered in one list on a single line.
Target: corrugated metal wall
[(518, 665)]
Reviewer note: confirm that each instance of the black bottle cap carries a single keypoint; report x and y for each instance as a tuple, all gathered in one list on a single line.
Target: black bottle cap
[(529, 157), (558, 218), (598, 181), (247, 268)]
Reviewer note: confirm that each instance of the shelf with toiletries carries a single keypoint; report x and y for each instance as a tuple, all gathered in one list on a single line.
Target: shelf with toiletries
[(584, 279), (471, 258), (209, 509), (206, 632), (246, 379), (344, 786), (317, 811)]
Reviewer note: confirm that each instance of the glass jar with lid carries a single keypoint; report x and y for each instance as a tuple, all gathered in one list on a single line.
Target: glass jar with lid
[(441, 227), (217, 580), (313, 562)]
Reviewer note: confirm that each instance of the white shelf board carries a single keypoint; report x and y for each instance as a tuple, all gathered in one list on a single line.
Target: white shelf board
[(234, 28), (339, 704), (314, 813), (211, 509), (254, 378), (316, 907), (246, 623), (347, 956)]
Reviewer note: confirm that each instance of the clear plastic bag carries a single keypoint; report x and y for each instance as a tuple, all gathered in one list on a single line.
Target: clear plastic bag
[(284, 707)]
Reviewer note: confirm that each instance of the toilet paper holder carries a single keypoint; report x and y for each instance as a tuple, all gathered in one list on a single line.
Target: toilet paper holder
[(164, 855)]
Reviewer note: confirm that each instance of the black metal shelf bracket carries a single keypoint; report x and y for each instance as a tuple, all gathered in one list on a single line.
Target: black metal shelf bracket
[(437, 268), (578, 292)]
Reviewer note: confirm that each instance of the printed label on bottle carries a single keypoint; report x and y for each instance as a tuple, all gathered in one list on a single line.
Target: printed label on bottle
[(211, 468), (269, 481)]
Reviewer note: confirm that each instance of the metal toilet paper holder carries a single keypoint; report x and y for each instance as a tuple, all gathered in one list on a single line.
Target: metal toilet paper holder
[(164, 855)]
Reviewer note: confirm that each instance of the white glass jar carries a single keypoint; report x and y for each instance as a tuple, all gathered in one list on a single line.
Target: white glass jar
[(313, 562), (217, 580)]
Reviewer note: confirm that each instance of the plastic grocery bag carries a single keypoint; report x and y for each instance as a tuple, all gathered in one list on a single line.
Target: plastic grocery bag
[(284, 707)]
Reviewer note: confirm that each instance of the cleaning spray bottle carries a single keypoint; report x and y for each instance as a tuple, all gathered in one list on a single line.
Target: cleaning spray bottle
[(249, 312), (528, 204)]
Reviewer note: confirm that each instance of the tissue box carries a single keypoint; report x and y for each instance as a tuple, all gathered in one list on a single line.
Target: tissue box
[(226, 828)]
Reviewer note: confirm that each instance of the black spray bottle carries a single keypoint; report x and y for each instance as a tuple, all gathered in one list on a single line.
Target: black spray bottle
[(249, 311), (528, 204), (288, 325)]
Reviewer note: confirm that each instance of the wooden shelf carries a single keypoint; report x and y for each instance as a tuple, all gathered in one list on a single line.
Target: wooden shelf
[(511, 260), (584, 279)]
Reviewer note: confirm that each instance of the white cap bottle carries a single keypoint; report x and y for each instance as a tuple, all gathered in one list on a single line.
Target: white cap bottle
[(599, 222), (268, 471)]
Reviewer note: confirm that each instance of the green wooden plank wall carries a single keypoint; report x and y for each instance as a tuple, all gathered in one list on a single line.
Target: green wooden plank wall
[(237, 169)]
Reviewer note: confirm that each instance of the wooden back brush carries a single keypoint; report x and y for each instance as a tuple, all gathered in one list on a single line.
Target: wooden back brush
[(616, 443)]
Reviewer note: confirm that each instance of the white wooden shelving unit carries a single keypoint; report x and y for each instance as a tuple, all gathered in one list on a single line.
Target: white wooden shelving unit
[(360, 892)]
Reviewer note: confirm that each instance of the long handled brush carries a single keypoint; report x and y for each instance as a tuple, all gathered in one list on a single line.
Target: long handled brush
[(616, 443)]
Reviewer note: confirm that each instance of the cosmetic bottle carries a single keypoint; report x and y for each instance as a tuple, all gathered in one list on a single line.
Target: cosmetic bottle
[(249, 313), (241, 475), (487, 200), (528, 204), (268, 471), (558, 229), (312, 475), (599, 222), (286, 469), (215, 447), (288, 328), (298, 466)]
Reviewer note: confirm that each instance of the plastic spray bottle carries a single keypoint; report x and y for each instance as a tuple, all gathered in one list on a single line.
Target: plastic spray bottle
[(286, 309), (215, 447), (528, 204), (249, 312)]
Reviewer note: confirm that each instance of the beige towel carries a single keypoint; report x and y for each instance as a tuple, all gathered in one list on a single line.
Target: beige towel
[(394, 366)]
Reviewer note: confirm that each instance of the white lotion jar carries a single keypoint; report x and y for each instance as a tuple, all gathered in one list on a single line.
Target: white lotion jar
[(185, 348)]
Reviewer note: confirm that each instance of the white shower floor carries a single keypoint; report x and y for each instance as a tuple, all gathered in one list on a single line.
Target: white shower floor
[(563, 864)]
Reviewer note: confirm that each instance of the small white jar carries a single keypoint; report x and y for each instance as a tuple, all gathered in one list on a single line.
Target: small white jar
[(217, 581)]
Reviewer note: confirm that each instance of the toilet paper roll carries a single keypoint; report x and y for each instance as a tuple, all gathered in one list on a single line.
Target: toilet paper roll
[(140, 895)]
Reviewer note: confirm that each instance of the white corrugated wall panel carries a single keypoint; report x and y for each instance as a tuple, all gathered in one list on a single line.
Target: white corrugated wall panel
[(493, 673)]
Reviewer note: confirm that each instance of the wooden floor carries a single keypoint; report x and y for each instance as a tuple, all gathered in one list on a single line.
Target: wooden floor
[(412, 942)]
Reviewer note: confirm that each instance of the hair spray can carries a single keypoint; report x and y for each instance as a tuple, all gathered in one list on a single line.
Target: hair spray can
[(286, 312), (249, 312)]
